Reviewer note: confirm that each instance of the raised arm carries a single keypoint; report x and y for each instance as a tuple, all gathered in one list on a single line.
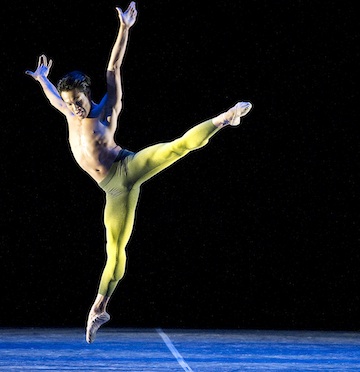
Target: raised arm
[(113, 76), (51, 93)]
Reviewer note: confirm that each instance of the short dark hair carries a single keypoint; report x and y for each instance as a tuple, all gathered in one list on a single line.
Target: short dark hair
[(75, 80)]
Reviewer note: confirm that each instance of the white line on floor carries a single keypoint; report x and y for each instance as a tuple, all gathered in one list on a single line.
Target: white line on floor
[(174, 351)]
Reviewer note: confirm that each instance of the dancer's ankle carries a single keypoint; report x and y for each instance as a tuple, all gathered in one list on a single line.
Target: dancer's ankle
[(221, 120), (99, 305)]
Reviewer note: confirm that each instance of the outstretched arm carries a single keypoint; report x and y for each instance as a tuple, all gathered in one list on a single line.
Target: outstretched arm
[(113, 76), (41, 75)]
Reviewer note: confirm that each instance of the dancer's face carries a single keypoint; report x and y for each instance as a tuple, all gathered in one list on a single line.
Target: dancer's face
[(78, 102)]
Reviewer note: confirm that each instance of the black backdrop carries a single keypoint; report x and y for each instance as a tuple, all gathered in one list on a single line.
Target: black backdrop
[(260, 229)]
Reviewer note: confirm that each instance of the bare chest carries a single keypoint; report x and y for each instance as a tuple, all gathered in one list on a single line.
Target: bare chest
[(92, 145), (86, 133)]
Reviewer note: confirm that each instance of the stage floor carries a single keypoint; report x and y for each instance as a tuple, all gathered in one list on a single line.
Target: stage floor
[(121, 349)]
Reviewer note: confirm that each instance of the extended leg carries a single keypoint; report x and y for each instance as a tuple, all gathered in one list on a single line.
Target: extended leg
[(152, 160)]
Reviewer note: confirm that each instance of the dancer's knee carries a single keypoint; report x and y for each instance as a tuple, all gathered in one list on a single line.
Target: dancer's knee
[(184, 145), (115, 266), (188, 143), (118, 273)]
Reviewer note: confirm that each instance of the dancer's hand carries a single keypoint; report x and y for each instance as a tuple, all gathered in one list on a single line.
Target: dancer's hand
[(42, 70), (128, 17)]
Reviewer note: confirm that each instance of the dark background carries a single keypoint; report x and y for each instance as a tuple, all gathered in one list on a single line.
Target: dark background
[(260, 229)]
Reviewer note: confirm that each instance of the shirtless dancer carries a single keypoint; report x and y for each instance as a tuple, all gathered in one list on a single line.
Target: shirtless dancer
[(119, 172)]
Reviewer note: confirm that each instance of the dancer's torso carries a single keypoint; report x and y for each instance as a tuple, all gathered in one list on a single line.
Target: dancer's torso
[(93, 146)]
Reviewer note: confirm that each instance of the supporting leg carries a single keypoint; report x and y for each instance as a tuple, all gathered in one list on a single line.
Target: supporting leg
[(119, 216)]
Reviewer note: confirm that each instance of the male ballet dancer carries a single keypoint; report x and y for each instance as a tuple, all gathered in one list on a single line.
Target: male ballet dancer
[(119, 172)]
